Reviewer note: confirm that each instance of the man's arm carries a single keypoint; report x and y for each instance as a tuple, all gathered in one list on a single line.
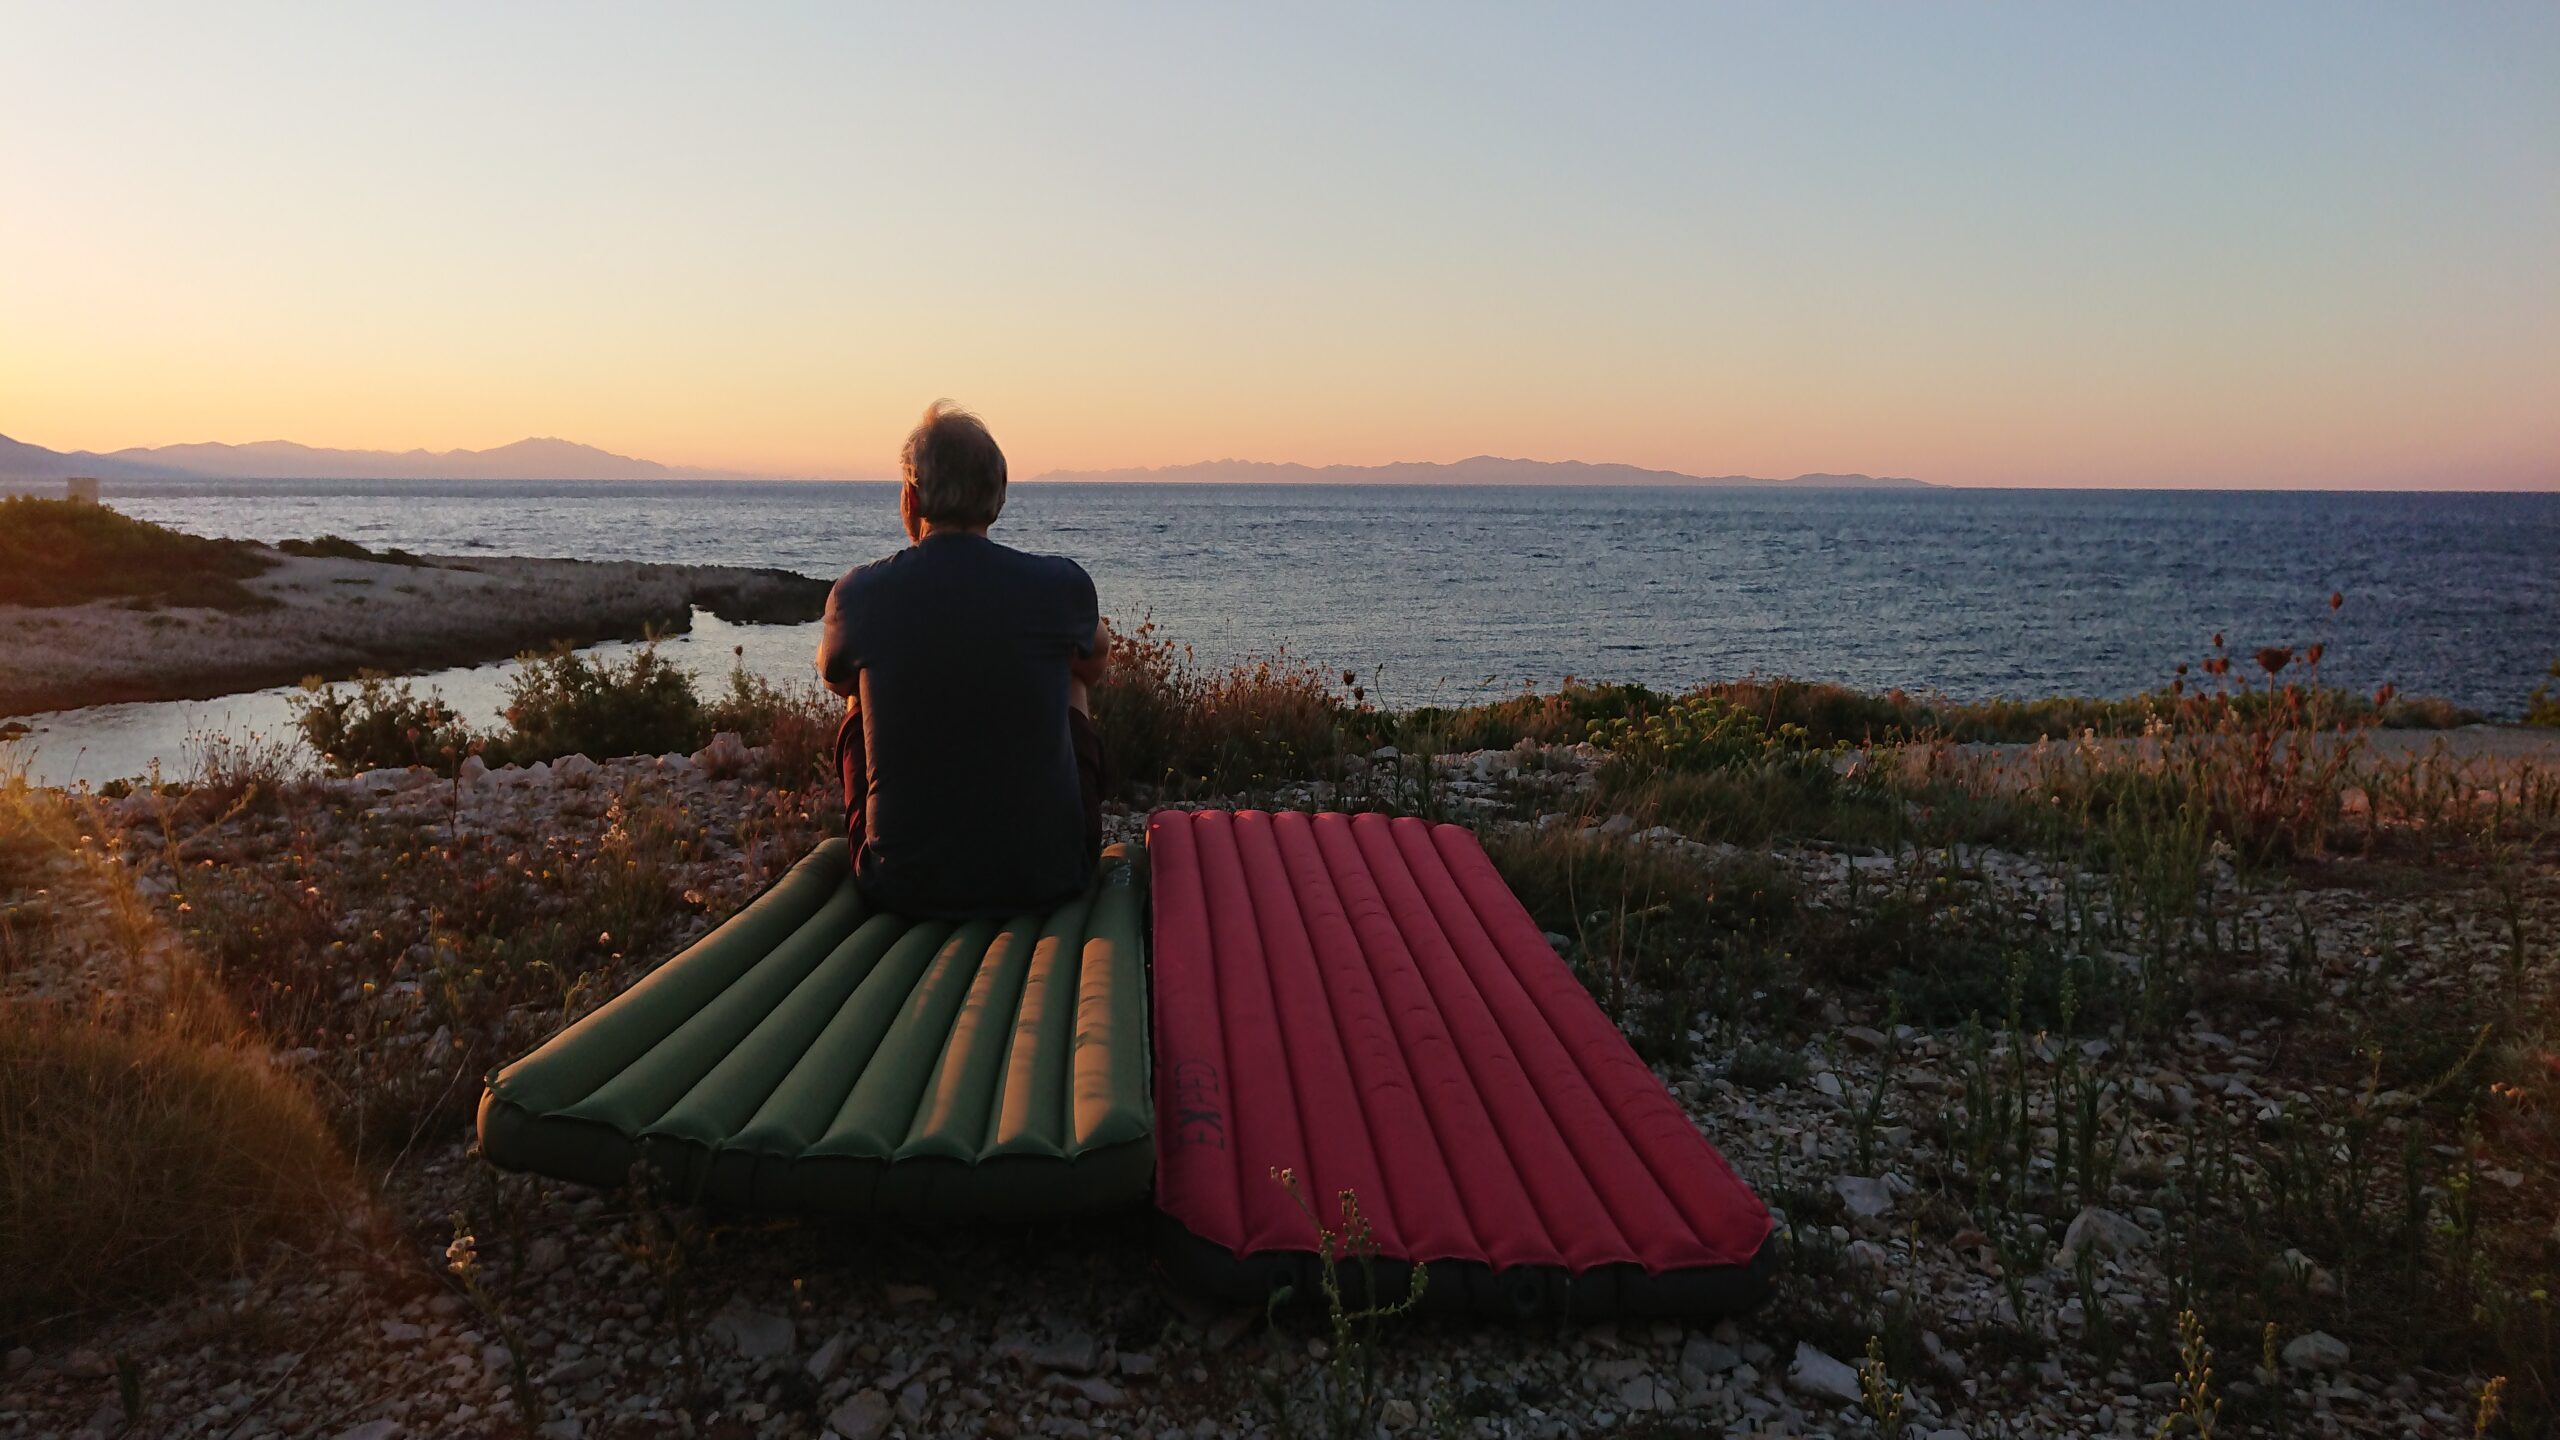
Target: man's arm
[(1084, 671), (837, 666), (1088, 667)]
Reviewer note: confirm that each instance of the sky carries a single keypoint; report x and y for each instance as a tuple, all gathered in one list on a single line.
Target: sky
[(1995, 244)]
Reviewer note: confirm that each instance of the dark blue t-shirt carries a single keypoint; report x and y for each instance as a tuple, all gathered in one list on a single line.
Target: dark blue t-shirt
[(962, 646)]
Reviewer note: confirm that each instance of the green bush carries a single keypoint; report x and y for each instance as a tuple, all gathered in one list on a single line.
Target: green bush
[(379, 724), (568, 703), (1700, 734), (1553, 717)]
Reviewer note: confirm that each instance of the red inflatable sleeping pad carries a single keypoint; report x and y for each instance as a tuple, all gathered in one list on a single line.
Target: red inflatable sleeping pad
[(1362, 1001)]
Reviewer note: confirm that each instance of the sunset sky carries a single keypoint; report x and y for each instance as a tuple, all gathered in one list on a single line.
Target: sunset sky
[(2007, 245)]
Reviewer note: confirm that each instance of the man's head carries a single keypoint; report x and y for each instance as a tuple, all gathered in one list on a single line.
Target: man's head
[(954, 472)]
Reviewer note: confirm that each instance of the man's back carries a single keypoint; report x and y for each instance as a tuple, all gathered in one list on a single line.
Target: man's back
[(958, 650)]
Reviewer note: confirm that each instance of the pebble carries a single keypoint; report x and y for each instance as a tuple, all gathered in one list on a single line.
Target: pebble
[(828, 1358), (1822, 1377), (1092, 1388), (1864, 1197), (863, 1416), (1075, 1352), (2100, 1232), (2318, 1350), (752, 1334)]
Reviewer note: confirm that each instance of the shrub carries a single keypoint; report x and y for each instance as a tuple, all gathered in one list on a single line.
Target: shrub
[(797, 722), (1560, 716), (2543, 707), (58, 552), (1700, 734), (1550, 718), (338, 547), (567, 703), (1168, 722), (381, 723), (223, 772)]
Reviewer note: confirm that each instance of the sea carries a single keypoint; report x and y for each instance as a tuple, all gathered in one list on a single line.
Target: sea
[(1442, 594)]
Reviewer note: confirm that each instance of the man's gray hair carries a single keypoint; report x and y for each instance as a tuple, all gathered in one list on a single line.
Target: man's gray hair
[(955, 466)]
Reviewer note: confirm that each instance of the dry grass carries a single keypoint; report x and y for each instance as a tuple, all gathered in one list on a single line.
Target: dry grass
[(137, 1159), (146, 1141)]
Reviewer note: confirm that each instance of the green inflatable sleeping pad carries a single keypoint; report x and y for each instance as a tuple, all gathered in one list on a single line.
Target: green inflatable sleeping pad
[(812, 1055)]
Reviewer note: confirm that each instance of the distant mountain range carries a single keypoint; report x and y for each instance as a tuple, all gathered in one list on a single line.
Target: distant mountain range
[(548, 459), (535, 459), (1477, 470)]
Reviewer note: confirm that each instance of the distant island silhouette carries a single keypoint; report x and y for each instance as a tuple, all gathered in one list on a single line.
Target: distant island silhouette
[(538, 458), (1475, 470), (546, 458)]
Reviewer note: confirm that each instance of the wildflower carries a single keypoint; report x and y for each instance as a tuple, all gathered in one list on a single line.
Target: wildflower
[(2272, 658), (2337, 598), (463, 1255), (2491, 1397), (2312, 655)]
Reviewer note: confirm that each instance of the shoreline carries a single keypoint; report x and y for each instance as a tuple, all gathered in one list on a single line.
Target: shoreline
[(334, 618)]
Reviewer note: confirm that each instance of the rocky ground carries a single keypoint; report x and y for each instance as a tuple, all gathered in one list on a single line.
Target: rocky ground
[(334, 617), (459, 1299)]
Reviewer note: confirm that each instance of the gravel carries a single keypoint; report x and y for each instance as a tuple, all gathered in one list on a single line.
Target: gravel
[(786, 1328)]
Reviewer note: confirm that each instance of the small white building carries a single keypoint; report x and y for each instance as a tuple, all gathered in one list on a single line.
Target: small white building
[(81, 489)]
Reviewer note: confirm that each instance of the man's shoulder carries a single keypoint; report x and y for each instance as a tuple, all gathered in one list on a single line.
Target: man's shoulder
[(871, 574), (1055, 570), (988, 560), (1033, 559)]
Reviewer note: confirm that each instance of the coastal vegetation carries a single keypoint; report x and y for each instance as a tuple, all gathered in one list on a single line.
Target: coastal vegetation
[(64, 552), (338, 547), (564, 703), (2189, 1056), (2543, 708)]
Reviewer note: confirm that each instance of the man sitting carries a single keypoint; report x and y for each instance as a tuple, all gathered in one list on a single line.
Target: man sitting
[(971, 768)]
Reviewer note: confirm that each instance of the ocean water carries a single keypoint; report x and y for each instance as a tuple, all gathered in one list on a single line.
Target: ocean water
[(1439, 594)]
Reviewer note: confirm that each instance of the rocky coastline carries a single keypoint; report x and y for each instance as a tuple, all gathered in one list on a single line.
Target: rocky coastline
[(334, 617)]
